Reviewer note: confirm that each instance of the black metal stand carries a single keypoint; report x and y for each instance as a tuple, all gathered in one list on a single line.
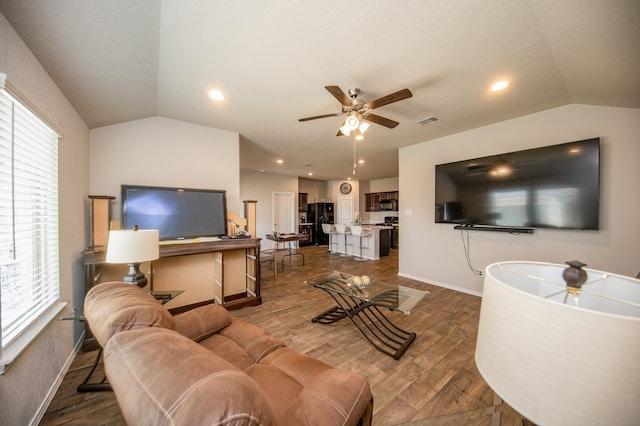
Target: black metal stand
[(293, 251), (101, 386), (372, 323)]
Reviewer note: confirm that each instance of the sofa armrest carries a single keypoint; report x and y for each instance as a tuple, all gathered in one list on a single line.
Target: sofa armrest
[(337, 397), (200, 323), (311, 392), (163, 378)]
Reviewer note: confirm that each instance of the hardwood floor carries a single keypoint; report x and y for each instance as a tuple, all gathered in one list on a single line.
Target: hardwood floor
[(434, 383)]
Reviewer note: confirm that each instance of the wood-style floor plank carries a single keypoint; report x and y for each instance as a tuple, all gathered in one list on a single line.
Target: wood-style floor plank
[(434, 383)]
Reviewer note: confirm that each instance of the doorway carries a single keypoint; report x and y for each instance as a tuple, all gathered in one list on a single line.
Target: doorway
[(344, 210), (283, 212)]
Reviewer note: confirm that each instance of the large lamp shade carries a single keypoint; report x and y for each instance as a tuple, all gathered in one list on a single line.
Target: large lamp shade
[(133, 247), (558, 356)]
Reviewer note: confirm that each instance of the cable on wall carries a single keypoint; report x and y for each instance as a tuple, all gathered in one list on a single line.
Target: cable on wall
[(465, 243)]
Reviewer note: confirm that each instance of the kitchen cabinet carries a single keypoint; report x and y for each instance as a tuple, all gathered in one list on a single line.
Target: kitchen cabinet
[(302, 201), (306, 229), (381, 201)]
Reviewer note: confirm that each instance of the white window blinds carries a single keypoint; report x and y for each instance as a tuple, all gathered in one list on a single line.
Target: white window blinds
[(29, 258)]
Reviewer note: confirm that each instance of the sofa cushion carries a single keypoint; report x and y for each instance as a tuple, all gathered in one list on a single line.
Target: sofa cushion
[(309, 391), (242, 344), (200, 323), (163, 378), (113, 307)]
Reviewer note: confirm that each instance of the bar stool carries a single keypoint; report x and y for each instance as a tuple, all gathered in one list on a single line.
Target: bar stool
[(328, 229), (342, 229), (357, 231)]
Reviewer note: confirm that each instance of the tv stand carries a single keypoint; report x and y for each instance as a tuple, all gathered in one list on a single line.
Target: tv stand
[(509, 229), (226, 272)]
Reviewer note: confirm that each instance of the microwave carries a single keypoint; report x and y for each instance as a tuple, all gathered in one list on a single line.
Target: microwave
[(389, 205)]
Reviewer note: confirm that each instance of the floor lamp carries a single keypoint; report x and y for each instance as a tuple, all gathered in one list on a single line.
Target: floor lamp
[(561, 345), (133, 246)]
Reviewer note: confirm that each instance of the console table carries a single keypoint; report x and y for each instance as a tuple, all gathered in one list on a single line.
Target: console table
[(233, 272)]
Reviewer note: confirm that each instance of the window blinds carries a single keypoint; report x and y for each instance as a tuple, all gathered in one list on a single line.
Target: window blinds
[(29, 253)]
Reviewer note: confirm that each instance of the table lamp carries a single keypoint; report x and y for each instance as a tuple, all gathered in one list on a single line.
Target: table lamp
[(132, 247), (561, 345)]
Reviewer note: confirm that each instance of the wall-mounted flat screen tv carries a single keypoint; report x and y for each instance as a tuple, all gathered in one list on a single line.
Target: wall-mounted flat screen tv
[(178, 213), (550, 187)]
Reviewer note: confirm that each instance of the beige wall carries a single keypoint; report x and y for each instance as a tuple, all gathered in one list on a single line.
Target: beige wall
[(434, 253), (260, 187), (159, 151), (28, 384)]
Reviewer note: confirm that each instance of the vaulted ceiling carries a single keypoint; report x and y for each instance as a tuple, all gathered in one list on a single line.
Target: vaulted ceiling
[(121, 60)]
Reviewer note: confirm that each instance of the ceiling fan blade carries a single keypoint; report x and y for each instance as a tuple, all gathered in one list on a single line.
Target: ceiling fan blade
[(315, 117), (394, 97), (381, 120), (339, 95)]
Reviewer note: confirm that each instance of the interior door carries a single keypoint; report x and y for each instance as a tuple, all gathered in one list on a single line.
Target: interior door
[(344, 209), (283, 212)]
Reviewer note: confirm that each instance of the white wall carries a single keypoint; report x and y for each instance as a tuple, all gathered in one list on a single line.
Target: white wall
[(316, 190), (28, 384), (158, 151), (434, 253), (260, 187)]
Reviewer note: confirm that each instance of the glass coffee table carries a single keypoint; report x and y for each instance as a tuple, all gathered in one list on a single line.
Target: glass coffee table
[(361, 302)]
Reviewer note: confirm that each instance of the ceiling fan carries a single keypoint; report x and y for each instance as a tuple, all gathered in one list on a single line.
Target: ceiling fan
[(358, 110)]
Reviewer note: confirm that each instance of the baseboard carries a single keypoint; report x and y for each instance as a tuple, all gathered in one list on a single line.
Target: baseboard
[(440, 284), (37, 418)]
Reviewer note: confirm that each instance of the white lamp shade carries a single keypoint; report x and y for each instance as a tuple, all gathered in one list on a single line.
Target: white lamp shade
[(352, 122), (129, 246), (557, 363)]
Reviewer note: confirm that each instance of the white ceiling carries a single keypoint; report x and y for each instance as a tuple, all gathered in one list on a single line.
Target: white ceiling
[(122, 60)]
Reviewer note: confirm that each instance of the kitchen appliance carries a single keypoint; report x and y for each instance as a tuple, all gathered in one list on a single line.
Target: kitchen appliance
[(388, 205), (393, 221), (317, 214)]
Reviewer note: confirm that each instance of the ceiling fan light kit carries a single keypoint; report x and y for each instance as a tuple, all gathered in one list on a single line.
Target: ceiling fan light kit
[(352, 122)]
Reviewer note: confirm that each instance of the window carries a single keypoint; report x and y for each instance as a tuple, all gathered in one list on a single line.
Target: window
[(29, 258)]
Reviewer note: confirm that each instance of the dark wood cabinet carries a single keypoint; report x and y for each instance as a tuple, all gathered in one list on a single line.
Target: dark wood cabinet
[(381, 201), (308, 231), (302, 201)]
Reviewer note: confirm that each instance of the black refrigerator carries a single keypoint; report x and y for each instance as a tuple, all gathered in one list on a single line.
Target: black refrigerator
[(317, 214)]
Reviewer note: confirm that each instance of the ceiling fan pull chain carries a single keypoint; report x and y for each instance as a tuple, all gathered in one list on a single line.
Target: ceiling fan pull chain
[(354, 157)]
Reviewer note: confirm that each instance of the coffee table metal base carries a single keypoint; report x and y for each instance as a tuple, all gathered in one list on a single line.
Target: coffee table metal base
[(372, 323)]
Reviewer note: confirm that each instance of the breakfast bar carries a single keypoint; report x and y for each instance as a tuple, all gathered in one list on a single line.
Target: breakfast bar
[(374, 245)]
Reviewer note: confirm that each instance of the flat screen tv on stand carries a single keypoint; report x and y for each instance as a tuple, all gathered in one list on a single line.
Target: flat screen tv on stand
[(554, 187), (178, 213)]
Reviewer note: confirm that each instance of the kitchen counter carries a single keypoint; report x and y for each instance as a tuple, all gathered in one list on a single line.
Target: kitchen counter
[(373, 247)]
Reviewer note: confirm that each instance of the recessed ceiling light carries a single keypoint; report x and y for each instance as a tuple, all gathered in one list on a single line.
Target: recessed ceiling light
[(280, 161), (216, 95), (310, 173), (360, 161), (499, 85)]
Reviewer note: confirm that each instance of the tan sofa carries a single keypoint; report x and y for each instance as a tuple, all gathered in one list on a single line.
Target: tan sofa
[(205, 367)]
